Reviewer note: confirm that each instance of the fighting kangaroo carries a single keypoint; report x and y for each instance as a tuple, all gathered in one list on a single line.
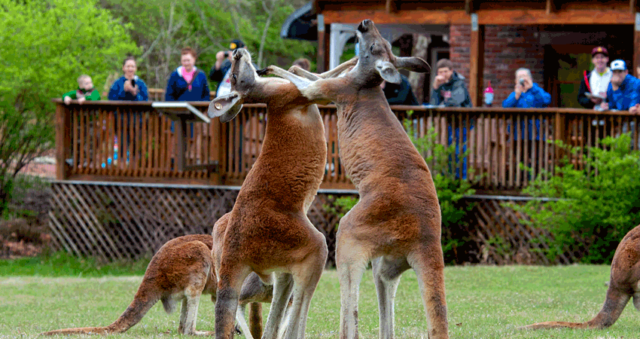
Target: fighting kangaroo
[(268, 231), (182, 269), (396, 223), (623, 284)]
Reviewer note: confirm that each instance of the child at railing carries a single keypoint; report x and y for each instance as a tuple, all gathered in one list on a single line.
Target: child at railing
[(84, 92)]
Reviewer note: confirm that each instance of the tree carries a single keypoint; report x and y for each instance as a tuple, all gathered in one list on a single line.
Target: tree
[(163, 27), (46, 45)]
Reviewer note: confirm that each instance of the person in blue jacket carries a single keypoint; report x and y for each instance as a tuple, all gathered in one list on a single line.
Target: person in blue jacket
[(129, 87), (187, 82), (622, 93), (527, 94)]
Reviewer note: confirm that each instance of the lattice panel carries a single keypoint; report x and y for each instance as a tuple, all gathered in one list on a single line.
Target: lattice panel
[(503, 239), (125, 222)]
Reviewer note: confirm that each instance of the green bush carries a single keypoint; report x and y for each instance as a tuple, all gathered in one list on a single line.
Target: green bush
[(593, 207), (442, 161)]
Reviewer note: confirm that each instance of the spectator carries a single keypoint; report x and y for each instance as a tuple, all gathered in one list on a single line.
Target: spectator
[(527, 94), (595, 82), (622, 93), (449, 89), (220, 71), (129, 87), (187, 82), (399, 94), (303, 63), (84, 92)]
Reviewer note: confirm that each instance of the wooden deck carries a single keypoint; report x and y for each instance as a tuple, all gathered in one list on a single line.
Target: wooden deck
[(131, 142)]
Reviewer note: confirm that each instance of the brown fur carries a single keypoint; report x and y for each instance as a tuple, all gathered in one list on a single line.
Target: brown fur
[(181, 270), (396, 223), (267, 231), (623, 285)]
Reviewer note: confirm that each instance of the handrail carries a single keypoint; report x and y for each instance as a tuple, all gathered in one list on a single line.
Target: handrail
[(130, 141)]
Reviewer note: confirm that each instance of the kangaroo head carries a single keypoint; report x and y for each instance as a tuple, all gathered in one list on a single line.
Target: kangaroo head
[(243, 78), (376, 61)]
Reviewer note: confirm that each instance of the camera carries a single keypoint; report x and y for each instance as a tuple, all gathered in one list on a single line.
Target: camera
[(133, 82), (226, 54), (521, 81)]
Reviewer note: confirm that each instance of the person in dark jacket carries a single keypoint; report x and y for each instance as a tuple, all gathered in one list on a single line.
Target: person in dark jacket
[(220, 71), (449, 89), (187, 82), (597, 81), (129, 87), (399, 94)]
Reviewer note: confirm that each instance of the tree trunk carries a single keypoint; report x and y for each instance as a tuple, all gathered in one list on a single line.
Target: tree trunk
[(417, 80)]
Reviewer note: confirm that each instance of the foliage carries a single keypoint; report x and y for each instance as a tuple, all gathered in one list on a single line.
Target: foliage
[(442, 160), (595, 206), (163, 27), (46, 45)]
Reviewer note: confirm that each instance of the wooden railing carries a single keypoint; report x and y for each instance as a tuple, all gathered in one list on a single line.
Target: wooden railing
[(497, 142)]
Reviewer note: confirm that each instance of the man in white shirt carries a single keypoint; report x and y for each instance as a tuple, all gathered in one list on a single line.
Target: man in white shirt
[(593, 88)]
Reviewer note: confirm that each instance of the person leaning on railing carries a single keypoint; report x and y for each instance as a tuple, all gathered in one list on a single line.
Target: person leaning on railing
[(85, 91), (622, 93), (187, 82), (129, 87)]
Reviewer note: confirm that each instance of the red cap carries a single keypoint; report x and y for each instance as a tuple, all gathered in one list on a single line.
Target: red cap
[(489, 89), (601, 50)]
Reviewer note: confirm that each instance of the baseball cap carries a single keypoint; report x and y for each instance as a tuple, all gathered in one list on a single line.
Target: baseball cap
[(599, 50), (235, 44), (618, 65)]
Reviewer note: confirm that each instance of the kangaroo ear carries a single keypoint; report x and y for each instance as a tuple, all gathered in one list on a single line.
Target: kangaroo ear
[(413, 64), (388, 72), (226, 107)]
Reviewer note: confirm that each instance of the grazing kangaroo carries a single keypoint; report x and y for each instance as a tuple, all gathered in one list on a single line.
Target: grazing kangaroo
[(624, 284), (396, 223), (182, 269), (268, 231)]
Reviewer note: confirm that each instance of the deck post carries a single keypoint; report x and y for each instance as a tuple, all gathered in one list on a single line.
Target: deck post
[(62, 140)]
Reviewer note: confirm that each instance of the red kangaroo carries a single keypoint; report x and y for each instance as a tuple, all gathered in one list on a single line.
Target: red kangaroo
[(268, 231), (623, 285), (181, 270), (396, 223)]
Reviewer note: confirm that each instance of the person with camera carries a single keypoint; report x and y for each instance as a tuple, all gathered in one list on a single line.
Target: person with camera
[(622, 93), (129, 87), (187, 82), (220, 71), (527, 94)]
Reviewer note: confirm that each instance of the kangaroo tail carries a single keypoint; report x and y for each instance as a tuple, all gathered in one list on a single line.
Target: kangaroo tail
[(140, 305), (613, 306), (255, 319)]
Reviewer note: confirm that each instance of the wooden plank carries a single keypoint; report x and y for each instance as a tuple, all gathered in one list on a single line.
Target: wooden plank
[(181, 149), (485, 17), (476, 66), (323, 46), (391, 6), (157, 129), (636, 51)]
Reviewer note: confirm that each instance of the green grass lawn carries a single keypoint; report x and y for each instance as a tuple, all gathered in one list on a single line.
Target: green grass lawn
[(484, 302)]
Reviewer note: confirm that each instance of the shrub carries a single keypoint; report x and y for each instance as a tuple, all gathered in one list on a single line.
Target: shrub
[(594, 207)]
